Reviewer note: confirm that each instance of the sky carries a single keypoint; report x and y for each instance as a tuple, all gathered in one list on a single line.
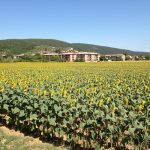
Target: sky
[(115, 23)]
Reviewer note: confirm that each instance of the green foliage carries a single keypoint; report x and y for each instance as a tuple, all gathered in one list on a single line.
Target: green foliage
[(17, 46), (147, 57), (35, 58), (102, 58), (56, 58)]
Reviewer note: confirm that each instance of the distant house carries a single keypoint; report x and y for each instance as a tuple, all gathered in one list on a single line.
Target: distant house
[(139, 58), (81, 56), (115, 57), (142, 57), (19, 56), (129, 57), (76, 56), (2, 56)]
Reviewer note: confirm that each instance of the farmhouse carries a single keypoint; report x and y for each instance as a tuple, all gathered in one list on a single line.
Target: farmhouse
[(2, 56), (115, 57), (19, 56)]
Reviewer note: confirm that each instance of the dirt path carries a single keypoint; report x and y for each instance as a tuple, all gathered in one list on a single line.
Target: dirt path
[(14, 140)]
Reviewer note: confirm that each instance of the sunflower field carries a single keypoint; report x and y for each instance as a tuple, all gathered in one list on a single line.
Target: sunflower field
[(90, 105)]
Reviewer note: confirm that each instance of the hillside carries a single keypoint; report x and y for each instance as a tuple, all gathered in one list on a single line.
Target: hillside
[(18, 46), (105, 49)]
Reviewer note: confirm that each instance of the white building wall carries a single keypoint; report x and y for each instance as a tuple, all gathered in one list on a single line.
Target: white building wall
[(86, 58), (72, 57), (94, 58), (123, 57)]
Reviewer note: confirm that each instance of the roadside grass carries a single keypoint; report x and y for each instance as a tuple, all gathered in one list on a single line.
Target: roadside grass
[(14, 140)]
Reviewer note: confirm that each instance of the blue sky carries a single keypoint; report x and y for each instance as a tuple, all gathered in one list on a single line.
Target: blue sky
[(115, 23)]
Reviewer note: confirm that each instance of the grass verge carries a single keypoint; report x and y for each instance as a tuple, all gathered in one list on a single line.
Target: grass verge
[(14, 140)]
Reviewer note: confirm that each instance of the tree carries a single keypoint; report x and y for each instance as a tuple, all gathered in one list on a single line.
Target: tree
[(102, 58), (147, 57)]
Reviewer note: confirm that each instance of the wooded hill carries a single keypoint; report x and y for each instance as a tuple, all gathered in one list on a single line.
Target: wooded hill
[(19, 46)]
